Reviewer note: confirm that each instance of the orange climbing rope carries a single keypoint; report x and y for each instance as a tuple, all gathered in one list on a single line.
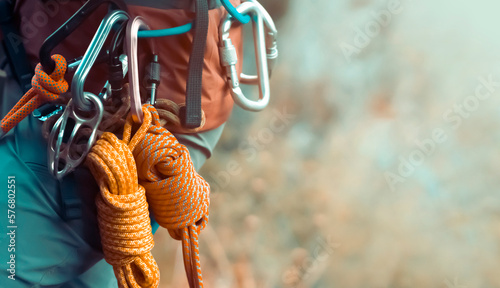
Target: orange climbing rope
[(123, 215), (177, 194), (45, 88)]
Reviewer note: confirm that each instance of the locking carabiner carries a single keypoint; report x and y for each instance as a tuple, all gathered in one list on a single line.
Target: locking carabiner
[(265, 47)]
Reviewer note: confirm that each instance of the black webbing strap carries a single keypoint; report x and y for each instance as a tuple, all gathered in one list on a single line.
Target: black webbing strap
[(191, 113), (14, 48), (173, 4)]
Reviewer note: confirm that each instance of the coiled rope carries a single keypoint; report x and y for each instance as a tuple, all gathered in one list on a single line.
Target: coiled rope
[(45, 88), (123, 215), (177, 194)]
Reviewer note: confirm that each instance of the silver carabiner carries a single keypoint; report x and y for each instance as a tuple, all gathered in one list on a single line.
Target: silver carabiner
[(90, 57), (271, 46), (61, 161), (229, 57), (133, 75)]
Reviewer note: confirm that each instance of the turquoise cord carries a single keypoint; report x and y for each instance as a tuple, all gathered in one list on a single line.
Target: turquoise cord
[(244, 19), (187, 27), (165, 32)]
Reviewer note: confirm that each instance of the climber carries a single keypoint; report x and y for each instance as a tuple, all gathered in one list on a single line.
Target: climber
[(57, 240)]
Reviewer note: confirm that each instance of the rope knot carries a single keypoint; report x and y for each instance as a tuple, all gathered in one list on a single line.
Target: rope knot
[(45, 88), (49, 87)]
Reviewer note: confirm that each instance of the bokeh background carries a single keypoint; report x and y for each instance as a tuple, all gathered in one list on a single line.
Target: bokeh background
[(376, 163)]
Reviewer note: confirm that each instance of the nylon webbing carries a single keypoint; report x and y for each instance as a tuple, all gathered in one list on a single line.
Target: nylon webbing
[(191, 114)]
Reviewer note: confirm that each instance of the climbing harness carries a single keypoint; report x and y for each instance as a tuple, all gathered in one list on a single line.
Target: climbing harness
[(139, 165)]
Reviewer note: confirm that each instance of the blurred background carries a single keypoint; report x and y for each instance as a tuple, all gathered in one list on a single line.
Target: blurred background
[(375, 164)]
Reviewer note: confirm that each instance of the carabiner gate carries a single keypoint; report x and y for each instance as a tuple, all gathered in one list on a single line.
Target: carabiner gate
[(132, 41), (90, 57), (60, 160), (265, 47), (271, 46)]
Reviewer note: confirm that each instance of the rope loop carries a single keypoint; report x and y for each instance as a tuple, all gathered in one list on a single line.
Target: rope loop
[(178, 196), (49, 87), (45, 88), (123, 214)]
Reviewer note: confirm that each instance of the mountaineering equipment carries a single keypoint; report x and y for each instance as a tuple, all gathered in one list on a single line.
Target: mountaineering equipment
[(17, 58), (271, 46), (243, 19), (69, 27), (123, 214), (177, 195), (45, 88), (165, 32), (117, 64), (133, 27), (229, 57), (153, 78), (174, 52), (151, 169), (90, 56), (60, 160)]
